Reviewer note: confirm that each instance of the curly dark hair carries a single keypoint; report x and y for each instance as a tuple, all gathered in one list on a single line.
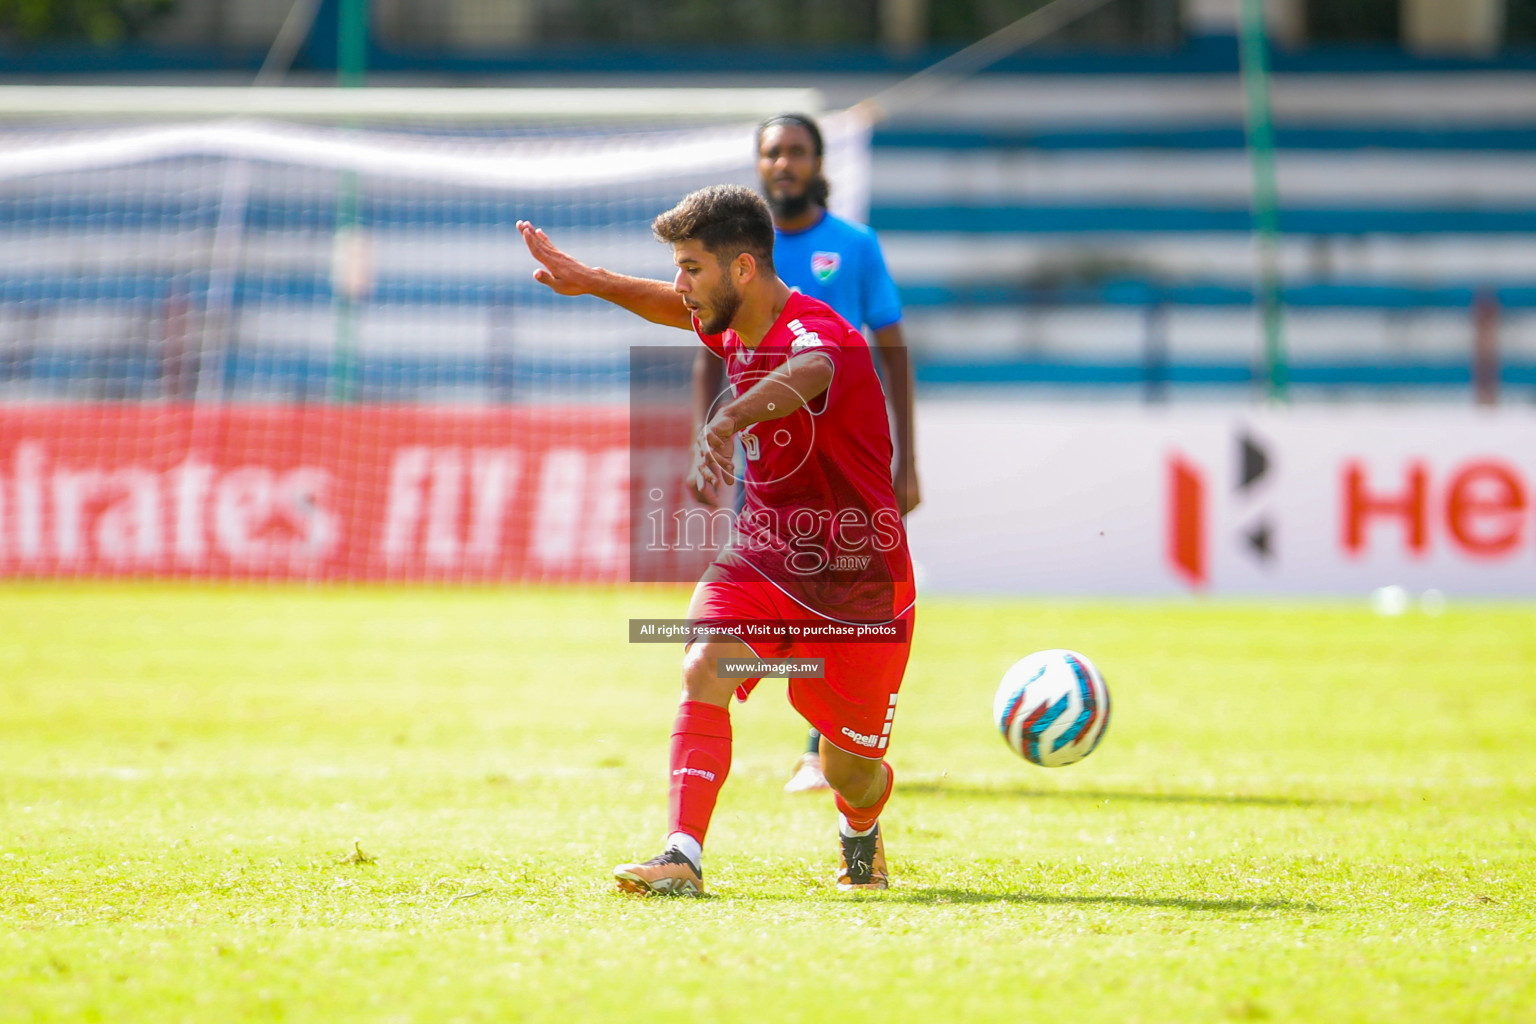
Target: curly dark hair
[(726, 219)]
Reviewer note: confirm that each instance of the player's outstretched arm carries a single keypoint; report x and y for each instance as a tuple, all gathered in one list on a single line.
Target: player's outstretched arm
[(566, 275), (781, 392)]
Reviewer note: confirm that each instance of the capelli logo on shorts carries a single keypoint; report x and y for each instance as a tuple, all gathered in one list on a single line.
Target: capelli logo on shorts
[(700, 772), (859, 738)]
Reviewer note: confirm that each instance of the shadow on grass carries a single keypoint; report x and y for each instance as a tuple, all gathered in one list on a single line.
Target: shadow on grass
[(962, 896), (942, 896), (971, 792)]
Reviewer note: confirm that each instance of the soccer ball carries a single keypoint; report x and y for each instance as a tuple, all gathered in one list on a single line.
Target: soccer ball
[(1052, 708)]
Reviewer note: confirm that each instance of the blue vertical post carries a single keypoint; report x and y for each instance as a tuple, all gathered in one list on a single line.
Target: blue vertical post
[(1254, 49), (351, 43), (351, 69)]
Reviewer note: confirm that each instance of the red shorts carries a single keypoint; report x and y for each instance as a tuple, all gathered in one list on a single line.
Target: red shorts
[(854, 706)]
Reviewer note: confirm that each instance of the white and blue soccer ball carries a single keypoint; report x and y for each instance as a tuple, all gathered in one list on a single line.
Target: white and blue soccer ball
[(1052, 708)]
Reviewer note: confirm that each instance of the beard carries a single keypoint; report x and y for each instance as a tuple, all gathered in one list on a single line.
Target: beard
[(723, 303), (788, 207)]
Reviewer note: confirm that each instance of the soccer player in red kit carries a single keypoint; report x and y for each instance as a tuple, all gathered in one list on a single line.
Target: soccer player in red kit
[(819, 538)]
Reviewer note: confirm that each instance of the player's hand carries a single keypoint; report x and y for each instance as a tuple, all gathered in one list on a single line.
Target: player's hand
[(700, 490), (714, 460), (561, 272), (702, 481), (718, 439)]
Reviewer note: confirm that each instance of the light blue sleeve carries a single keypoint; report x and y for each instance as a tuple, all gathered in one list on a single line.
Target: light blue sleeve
[(882, 302)]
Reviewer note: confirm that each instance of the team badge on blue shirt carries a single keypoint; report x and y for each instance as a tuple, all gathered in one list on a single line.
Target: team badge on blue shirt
[(825, 265), (840, 264)]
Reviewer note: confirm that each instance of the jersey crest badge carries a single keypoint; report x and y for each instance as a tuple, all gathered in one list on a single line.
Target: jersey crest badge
[(825, 265)]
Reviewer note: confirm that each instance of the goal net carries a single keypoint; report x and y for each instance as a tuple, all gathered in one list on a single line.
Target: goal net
[(294, 333)]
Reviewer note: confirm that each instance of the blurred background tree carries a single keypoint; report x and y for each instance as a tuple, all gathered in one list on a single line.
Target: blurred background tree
[(750, 23), (96, 21)]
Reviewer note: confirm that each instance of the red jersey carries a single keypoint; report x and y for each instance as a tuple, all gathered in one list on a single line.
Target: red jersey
[(820, 519)]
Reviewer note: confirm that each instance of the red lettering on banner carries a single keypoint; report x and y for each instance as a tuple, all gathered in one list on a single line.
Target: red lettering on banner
[(1484, 508), (1186, 520), (320, 492), (1409, 506)]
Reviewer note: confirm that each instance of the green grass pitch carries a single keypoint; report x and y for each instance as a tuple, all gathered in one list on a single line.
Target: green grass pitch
[(229, 803)]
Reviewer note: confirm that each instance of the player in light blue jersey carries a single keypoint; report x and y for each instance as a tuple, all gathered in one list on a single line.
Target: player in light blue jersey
[(840, 263)]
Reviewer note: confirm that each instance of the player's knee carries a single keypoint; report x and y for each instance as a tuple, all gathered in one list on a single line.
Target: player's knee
[(698, 669), (701, 681)]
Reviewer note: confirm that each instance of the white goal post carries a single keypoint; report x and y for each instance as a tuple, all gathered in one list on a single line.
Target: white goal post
[(404, 105)]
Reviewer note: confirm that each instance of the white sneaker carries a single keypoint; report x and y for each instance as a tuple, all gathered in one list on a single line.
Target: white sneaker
[(807, 777)]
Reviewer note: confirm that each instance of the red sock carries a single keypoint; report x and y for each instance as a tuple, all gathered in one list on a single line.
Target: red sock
[(862, 819), (701, 759)]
